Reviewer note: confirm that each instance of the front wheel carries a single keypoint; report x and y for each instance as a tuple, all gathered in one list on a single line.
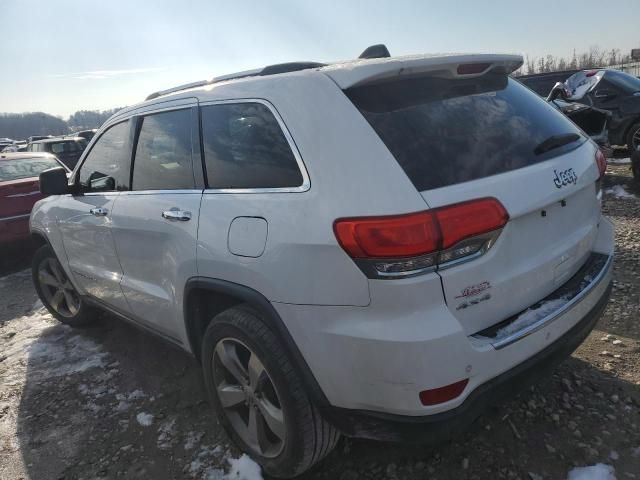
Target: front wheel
[(56, 291), (259, 399)]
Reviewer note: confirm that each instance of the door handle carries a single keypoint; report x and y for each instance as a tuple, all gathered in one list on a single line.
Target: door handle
[(177, 214), (99, 211)]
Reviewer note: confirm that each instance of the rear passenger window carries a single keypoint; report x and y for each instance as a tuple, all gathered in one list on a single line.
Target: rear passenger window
[(244, 147), (163, 152)]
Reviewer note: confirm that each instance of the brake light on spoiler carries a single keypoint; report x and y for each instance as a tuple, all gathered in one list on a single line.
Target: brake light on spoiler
[(406, 245)]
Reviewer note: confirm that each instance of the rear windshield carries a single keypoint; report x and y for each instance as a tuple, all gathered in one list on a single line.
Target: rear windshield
[(71, 146), (24, 168), (447, 131)]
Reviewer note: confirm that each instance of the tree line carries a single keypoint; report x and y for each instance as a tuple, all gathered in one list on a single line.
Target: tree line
[(593, 58), (19, 126)]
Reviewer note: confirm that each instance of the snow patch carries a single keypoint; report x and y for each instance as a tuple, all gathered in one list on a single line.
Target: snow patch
[(144, 419), (619, 161), (599, 471), (166, 433), (619, 192), (193, 439), (244, 468), (531, 316)]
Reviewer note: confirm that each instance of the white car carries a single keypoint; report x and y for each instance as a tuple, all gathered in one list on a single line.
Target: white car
[(378, 248)]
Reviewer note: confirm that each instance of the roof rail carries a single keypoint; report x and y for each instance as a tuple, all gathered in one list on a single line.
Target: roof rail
[(374, 51), (159, 93)]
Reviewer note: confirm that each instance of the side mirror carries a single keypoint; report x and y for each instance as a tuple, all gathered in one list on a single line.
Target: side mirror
[(603, 93), (54, 181)]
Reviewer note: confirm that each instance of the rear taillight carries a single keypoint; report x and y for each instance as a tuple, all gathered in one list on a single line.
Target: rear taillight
[(403, 245), (601, 161)]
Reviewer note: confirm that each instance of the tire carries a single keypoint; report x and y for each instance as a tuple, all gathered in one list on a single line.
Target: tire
[(238, 334), (633, 137), (67, 307), (635, 165)]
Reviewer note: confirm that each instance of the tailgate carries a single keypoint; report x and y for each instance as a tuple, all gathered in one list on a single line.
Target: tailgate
[(548, 238)]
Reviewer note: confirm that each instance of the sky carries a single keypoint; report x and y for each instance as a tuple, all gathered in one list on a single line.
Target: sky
[(59, 56)]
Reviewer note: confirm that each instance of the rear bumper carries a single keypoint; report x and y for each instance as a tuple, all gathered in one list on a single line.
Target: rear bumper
[(373, 362), (441, 426)]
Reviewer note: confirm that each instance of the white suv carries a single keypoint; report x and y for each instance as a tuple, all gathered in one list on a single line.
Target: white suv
[(379, 248)]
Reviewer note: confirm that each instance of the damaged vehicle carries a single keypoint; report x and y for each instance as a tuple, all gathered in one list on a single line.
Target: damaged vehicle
[(593, 121), (616, 92)]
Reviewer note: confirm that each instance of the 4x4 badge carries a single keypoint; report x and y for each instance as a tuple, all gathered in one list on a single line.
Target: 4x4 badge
[(565, 177)]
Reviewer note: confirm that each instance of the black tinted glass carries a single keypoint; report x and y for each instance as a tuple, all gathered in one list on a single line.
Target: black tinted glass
[(446, 131), (626, 82), (163, 152), (244, 147), (107, 164)]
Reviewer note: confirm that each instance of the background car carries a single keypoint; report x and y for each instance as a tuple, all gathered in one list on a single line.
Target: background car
[(19, 190), (542, 83), (86, 134), (68, 150), (615, 91)]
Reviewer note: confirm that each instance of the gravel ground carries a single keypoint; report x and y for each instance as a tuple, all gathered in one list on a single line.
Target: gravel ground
[(111, 402)]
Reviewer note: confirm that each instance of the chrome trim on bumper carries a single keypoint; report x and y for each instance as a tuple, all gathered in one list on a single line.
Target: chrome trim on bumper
[(543, 322)]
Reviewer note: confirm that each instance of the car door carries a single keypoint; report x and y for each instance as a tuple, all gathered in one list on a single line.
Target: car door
[(84, 218), (155, 223)]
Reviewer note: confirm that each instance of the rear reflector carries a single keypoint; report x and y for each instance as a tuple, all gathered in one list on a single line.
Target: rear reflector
[(601, 161), (418, 241), (472, 68), (443, 394)]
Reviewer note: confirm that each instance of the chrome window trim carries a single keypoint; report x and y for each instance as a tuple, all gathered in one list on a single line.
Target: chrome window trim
[(182, 191), (306, 182)]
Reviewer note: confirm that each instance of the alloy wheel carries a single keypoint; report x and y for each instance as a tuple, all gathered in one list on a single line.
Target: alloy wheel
[(635, 140), (248, 397), (58, 291)]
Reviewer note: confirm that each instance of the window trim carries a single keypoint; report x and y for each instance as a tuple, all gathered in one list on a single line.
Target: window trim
[(196, 155), (306, 182)]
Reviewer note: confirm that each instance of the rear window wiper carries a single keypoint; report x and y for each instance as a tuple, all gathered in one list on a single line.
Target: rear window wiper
[(556, 141)]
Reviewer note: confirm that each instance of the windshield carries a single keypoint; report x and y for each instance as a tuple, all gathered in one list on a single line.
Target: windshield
[(446, 131), (24, 168), (624, 81)]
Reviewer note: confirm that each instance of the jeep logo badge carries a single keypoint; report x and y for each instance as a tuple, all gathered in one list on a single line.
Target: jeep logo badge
[(565, 177)]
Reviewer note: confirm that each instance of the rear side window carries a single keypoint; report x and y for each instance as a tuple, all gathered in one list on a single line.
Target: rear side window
[(447, 131), (163, 152), (106, 166), (244, 147)]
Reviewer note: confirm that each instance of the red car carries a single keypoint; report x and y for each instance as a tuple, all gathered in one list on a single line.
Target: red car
[(19, 190)]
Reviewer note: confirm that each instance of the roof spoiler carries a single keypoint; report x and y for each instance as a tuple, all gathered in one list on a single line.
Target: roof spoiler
[(450, 66)]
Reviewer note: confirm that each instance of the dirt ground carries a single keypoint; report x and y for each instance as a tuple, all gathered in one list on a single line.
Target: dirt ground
[(112, 402)]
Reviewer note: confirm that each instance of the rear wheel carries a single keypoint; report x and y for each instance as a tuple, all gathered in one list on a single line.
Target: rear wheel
[(56, 291), (258, 397), (633, 137)]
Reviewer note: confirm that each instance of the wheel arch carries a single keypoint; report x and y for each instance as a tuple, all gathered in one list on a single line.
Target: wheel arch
[(205, 297), (39, 238)]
